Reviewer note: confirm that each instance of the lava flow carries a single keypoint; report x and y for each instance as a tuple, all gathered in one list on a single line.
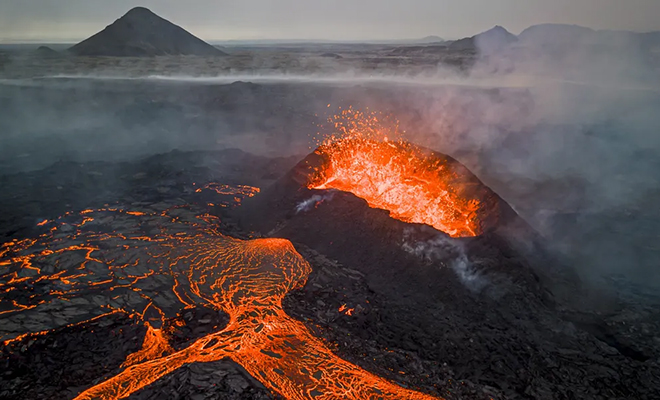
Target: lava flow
[(394, 175), (151, 265)]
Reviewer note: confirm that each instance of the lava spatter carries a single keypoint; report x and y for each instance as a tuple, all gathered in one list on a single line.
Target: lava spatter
[(394, 175), (151, 265)]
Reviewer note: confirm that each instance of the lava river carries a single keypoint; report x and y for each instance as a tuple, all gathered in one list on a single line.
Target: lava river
[(123, 254)]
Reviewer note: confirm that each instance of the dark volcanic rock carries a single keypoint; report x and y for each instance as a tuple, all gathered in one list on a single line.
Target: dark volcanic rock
[(466, 346), (222, 379), (143, 33), (62, 363)]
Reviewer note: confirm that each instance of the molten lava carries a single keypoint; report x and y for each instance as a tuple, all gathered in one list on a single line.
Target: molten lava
[(400, 178), (247, 279)]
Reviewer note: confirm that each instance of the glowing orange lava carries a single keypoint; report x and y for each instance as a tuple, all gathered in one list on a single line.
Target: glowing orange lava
[(412, 184), (247, 279), (155, 345), (346, 310)]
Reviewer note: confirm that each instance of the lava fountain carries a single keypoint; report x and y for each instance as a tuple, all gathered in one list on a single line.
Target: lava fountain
[(414, 184)]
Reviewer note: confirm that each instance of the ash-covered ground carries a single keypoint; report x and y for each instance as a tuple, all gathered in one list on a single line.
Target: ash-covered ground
[(573, 316)]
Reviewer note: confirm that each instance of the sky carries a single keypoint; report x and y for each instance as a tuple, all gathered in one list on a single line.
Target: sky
[(213, 20)]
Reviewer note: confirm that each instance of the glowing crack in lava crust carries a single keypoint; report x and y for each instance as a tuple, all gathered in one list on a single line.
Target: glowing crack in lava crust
[(396, 176), (247, 279)]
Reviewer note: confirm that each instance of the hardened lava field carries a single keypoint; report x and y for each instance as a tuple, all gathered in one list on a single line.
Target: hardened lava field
[(189, 263)]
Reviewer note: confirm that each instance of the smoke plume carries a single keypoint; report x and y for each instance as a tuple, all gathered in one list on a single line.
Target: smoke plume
[(313, 201), (444, 249)]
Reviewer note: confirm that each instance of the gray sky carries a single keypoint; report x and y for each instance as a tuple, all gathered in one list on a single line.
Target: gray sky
[(69, 20)]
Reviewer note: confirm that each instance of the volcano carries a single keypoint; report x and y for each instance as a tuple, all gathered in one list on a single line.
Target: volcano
[(398, 197), (139, 33), (455, 288)]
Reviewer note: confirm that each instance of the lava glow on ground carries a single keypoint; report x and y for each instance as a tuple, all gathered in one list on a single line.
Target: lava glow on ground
[(116, 257), (394, 175)]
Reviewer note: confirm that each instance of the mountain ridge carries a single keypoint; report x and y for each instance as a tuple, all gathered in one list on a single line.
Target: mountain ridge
[(551, 34)]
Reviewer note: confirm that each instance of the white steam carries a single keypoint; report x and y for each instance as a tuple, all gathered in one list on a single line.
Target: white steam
[(468, 274), (313, 202), (444, 249)]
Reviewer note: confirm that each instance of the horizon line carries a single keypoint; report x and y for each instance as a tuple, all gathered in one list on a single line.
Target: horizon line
[(72, 41), (279, 40)]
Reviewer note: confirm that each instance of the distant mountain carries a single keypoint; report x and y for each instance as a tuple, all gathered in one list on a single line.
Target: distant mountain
[(431, 39), (563, 36), (557, 37), (493, 39), (46, 52), (554, 34), (142, 33)]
